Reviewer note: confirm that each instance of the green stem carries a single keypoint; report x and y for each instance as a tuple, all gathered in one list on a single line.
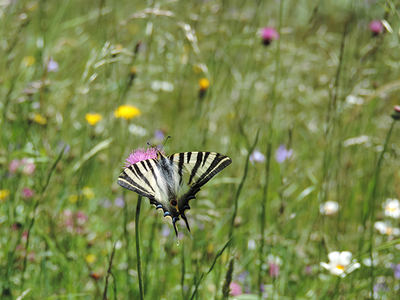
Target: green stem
[(139, 264), (372, 202), (240, 187)]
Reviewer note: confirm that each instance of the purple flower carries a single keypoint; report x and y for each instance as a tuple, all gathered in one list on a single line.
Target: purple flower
[(139, 155), (283, 154), (242, 276), (159, 135), (397, 271), (27, 193), (268, 34), (165, 231), (257, 156), (376, 27), (119, 201), (52, 65)]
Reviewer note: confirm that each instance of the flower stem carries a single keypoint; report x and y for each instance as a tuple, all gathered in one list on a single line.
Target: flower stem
[(139, 264), (372, 204)]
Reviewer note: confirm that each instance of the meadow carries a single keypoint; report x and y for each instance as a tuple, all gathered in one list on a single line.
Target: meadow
[(303, 97)]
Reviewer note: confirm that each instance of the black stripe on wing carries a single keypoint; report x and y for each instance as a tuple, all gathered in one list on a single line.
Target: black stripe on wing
[(134, 178)]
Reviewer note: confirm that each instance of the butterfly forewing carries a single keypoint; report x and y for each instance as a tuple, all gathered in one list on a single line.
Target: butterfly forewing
[(145, 178), (200, 167)]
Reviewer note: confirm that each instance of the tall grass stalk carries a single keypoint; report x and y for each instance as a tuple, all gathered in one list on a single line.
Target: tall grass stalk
[(109, 274), (138, 260), (203, 275), (34, 212), (372, 204), (240, 187), (127, 248)]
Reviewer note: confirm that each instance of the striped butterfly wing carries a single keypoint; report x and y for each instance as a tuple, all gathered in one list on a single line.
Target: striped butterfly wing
[(199, 168), (145, 178)]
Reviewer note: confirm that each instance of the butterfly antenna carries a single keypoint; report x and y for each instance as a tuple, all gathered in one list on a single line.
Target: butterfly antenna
[(186, 221), (166, 139), (174, 224)]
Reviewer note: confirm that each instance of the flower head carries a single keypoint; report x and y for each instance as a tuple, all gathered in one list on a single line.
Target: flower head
[(139, 155), (39, 119), (340, 263), (268, 34), (127, 112), (27, 193), (397, 271), (329, 208), (283, 154), (28, 60), (396, 113), (4, 194), (119, 201), (28, 166), (257, 156), (386, 228), (392, 208), (376, 27), (93, 119), (52, 65), (235, 289), (204, 84), (13, 166)]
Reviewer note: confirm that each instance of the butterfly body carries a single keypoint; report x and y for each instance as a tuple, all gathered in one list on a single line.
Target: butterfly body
[(163, 179)]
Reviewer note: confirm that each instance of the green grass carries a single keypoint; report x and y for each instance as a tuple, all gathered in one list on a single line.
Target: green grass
[(59, 243)]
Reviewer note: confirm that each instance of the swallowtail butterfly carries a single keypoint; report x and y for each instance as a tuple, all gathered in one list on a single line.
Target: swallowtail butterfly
[(163, 179)]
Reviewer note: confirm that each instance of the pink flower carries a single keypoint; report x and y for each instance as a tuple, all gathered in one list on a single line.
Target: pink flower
[(28, 166), (376, 27), (235, 288), (273, 270), (139, 155), (268, 34), (13, 166), (27, 193)]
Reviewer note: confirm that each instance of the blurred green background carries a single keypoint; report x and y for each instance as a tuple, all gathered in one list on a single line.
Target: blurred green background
[(320, 94)]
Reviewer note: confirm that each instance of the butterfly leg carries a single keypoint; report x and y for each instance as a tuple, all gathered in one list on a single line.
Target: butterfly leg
[(174, 224), (186, 221)]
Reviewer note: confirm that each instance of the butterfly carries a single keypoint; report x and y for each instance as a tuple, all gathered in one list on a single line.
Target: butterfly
[(170, 182)]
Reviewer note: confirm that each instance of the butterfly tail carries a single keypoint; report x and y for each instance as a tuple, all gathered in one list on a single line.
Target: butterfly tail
[(186, 221), (174, 224)]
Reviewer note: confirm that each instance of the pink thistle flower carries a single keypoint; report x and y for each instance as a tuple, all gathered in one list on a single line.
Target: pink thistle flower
[(27, 193), (235, 288), (376, 27), (268, 34), (139, 155), (13, 166)]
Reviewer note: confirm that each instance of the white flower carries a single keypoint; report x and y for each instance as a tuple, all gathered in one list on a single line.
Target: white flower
[(392, 208), (386, 228), (329, 208), (340, 263)]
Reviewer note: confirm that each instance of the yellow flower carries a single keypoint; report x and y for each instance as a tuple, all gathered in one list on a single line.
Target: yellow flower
[(4, 194), (127, 112), (90, 258), (93, 119), (88, 192), (73, 199), (28, 61), (38, 118), (204, 84)]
